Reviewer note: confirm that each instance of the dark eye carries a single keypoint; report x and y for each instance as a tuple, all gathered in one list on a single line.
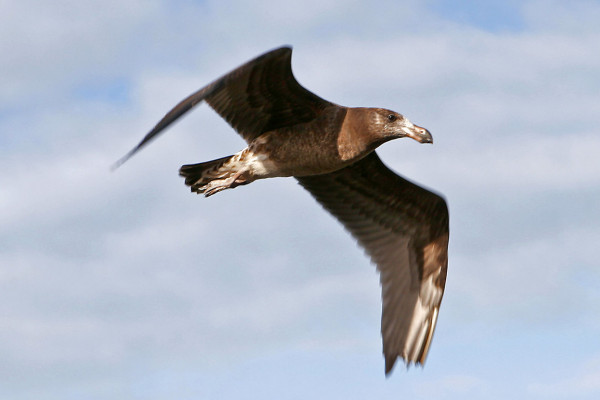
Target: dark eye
[(391, 117)]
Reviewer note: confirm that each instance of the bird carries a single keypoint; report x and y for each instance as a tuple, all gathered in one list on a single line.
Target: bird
[(330, 150)]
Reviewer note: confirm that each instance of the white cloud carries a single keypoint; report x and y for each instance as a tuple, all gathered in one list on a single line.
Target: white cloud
[(103, 272), (52, 47), (556, 16), (529, 164), (454, 385), (536, 280), (584, 382)]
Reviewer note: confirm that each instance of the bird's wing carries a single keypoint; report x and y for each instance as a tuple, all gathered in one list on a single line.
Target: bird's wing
[(257, 97), (404, 229)]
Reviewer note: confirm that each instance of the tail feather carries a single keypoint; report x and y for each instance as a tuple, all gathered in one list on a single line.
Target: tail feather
[(197, 175)]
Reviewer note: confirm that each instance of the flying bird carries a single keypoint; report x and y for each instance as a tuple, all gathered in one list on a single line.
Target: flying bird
[(329, 149)]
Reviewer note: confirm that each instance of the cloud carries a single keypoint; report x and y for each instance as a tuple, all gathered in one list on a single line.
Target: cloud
[(583, 383), (52, 48), (449, 386), (534, 280), (110, 276)]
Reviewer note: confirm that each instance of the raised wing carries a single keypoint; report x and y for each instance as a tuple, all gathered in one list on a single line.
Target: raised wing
[(404, 229), (257, 97)]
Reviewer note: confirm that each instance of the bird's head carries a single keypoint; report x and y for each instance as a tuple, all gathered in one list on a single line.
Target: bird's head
[(392, 125)]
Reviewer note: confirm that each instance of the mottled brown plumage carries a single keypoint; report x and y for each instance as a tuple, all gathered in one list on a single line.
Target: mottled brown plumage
[(404, 229), (329, 150)]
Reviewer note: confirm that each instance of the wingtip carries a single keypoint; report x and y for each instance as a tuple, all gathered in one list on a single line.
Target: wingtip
[(114, 166), (122, 160), (389, 365), (285, 49)]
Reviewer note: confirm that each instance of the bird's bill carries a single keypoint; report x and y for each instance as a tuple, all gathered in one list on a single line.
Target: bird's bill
[(418, 133)]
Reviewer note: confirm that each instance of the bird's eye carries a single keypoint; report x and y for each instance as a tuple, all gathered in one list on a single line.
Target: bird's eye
[(391, 117)]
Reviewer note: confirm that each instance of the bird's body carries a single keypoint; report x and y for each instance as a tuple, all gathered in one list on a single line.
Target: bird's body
[(338, 137), (290, 151), (329, 149)]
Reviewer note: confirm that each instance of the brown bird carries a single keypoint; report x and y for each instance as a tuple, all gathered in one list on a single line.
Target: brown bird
[(329, 149)]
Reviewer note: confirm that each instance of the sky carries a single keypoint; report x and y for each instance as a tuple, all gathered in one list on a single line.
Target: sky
[(124, 285)]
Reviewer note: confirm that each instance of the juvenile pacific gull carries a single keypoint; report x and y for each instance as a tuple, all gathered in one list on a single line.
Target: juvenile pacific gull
[(329, 149)]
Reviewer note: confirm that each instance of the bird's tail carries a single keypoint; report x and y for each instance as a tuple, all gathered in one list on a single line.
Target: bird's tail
[(197, 175), (214, 176)]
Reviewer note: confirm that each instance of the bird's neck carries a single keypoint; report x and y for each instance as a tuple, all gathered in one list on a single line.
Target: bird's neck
[(357, 136)]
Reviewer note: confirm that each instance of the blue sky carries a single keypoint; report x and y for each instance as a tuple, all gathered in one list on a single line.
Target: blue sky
[(124, 285)]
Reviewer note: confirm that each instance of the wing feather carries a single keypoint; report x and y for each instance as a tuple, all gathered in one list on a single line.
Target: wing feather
[(404, 229), (257, 97)]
